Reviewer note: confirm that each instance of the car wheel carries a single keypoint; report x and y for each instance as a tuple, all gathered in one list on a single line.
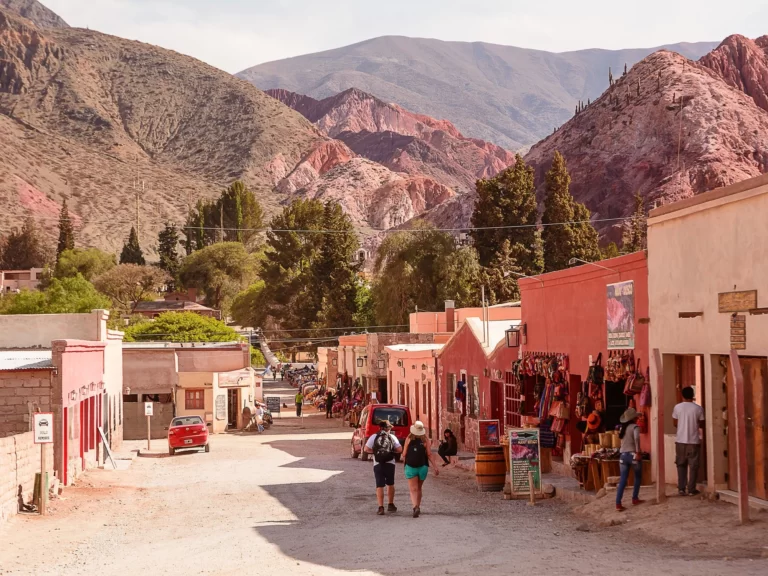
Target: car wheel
[(171, 451), (207, 447)]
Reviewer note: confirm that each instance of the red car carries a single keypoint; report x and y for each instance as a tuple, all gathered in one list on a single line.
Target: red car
[(399, 416), (187, 432)]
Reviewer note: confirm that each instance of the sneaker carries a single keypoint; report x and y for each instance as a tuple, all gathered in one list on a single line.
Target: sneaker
[(637, 502), (694, 492), (391, 508), (381, 511), (416, 512), (681, 493), (620, 508)]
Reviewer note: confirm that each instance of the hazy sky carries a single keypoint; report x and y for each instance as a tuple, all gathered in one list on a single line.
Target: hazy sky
[(236, 34)]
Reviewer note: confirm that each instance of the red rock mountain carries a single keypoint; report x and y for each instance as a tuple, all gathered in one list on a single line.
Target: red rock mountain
[(401, 140), (742, 63), (35, 12)]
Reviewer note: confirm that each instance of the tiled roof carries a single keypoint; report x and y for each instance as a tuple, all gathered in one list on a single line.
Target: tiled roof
[(15, 360)]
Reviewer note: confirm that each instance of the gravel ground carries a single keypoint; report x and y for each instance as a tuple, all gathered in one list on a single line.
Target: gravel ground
[(292, 501)]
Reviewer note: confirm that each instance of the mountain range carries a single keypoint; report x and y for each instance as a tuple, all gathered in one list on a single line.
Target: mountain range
[(120, 128), (503, 94)]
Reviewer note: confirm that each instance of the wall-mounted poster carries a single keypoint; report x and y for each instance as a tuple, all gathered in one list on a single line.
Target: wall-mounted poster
[(621, 315), (489, 432)]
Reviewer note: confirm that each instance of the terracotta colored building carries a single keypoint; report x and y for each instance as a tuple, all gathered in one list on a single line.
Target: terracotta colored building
[(567, 313)]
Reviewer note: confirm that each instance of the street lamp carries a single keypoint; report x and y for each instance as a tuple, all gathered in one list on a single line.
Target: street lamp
[(507, 273), (573, 261)]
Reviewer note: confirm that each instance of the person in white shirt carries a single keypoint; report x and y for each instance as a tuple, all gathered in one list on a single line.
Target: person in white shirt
[(260, 417), (384, 445), (688, 417)]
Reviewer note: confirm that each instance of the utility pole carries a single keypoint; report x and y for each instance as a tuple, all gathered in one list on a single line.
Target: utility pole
[(222, 223)]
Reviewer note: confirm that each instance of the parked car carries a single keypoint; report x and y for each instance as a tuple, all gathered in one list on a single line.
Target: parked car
[(371, 416), (187, 432)]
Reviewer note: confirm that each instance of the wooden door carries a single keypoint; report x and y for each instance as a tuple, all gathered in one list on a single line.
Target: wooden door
[(417, 412), (512, 417), (429, 406), (755, 372), (497, 403)]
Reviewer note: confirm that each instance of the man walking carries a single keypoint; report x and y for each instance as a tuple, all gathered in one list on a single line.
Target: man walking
[(299, 402), (688, 417), (329, 404), (384, 445)]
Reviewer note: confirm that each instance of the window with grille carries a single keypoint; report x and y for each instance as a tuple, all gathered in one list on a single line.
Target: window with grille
[(194, 399), (451, 400)]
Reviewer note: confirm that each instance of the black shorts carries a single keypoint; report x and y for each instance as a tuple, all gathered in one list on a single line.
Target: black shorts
[(384, 474)]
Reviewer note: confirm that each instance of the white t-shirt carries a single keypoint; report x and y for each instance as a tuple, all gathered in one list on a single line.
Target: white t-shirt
[(372, 439), (260, 411), (688, 416)]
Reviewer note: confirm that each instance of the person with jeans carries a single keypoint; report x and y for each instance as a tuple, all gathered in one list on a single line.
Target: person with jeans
[(299, 402), (449, 446), (688, 417), (629, 457), (384, 445)]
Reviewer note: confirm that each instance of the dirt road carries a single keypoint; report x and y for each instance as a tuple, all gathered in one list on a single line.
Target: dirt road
[(291, 501)]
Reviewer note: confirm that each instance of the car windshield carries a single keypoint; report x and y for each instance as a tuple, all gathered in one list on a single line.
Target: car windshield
[(187, 421), (397, 416)]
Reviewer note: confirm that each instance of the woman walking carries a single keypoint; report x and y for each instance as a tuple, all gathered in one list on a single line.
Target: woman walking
[(630, 457), (449, 446), (418, 456)]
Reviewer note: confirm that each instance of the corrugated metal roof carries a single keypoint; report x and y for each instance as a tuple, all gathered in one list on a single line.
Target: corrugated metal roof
[(15, 360)]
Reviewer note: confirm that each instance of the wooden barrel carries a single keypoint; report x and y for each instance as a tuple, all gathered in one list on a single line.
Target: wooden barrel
[(490, 469)]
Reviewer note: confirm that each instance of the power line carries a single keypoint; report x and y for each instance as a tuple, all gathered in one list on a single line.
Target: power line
[(323, 329)]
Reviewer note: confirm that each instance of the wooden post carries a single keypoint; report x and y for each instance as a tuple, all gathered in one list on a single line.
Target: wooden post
[(661, 472), (531, 488), (43, 480), (148, 434), (741, 436)]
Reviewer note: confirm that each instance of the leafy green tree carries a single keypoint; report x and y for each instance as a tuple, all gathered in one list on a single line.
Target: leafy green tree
[(181, 327), (23, 249), (89, 262), (168, 244), (249, 306), (610, 251), (66, 231), (508, 200), (257, 358), (132, 253), (62, 296), (220, 271), (365, 314), (422, 268), (129, 284), (562, 238), (635, 237)]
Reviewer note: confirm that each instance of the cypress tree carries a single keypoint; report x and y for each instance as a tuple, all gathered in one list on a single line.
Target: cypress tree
[(132, 253), (23, 249), (567, 231), (66, 232)]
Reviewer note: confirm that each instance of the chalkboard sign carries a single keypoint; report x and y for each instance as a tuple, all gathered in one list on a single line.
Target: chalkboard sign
[(273, 404), (524, 456)]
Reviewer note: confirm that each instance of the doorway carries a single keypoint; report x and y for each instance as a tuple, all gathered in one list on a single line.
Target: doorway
[(383, 398), (497, 403), (755, 372), (417, 411), (429, 406), (689, 371), (232, 407)]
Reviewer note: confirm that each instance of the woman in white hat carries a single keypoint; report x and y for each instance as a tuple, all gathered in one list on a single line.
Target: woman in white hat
[(629, 457), (418, 457)]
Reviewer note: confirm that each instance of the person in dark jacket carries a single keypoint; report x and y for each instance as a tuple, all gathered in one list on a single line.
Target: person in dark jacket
[(449, 446)]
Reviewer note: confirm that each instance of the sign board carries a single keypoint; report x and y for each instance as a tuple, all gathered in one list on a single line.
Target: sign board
[(489, 432), (221, 407), (524, 450), (621, 315), (105, 444), (737, 301), (149, 409), (738, 332), (273, 404), (43, 427)]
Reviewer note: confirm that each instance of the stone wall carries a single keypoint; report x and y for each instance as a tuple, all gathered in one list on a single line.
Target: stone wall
[(19, 390), (19, 462), (135, 423)]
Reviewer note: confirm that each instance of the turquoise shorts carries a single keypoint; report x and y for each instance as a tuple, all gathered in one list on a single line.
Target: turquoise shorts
[(414, 472)]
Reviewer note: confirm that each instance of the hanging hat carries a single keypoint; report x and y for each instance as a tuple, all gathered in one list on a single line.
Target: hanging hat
[(594, 421), (629, 415), (418, 429)]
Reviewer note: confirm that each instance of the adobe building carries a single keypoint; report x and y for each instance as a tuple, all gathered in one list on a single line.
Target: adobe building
[(17, 280), (182, 379), (708, 295), (69, 365)]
